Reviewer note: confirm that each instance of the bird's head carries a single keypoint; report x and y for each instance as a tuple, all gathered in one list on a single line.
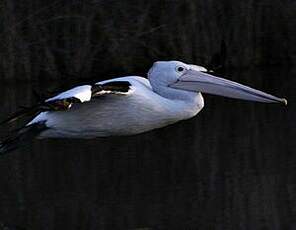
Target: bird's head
[(193, 78)]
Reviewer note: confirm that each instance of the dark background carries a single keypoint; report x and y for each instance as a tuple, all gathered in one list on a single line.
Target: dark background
[(231, 167)]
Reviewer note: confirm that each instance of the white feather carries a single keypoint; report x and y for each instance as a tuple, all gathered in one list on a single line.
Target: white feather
[(83, 93), (171, 94), (125, 114)]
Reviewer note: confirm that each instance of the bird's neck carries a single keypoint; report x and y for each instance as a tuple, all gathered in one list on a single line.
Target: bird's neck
[(185, 104), (175, 94)]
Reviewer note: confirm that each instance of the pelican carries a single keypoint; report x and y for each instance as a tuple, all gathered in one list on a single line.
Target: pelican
[(130, 105)]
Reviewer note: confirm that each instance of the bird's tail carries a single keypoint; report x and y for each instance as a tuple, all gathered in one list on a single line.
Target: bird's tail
[(21, 137)]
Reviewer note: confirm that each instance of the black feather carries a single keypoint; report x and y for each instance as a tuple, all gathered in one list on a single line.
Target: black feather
[(56, 105), (112, 87), (21, 137), (117, 86), (66, 103), (24, 112)]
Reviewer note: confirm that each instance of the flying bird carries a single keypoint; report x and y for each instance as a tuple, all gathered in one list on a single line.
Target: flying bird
[(128, 105)]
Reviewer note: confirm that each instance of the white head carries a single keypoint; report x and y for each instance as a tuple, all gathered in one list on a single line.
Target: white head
[(166, 72), (176, 77)]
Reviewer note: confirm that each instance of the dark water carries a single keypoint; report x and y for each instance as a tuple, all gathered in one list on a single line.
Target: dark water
[(233, 166)]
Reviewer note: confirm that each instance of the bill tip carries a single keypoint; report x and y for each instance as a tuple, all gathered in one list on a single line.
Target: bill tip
[(284, 100)]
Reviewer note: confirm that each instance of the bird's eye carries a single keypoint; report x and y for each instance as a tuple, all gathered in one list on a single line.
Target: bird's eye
[(180, 69)]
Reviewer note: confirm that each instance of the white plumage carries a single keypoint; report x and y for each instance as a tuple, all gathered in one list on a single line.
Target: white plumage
[(132, 105), (127, 105), (83, 93), (137, 111)]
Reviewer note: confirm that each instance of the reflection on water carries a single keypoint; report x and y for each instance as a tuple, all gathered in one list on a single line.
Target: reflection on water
[(232, 166)]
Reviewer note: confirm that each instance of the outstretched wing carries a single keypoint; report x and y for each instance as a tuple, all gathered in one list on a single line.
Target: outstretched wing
[(65, 100)]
